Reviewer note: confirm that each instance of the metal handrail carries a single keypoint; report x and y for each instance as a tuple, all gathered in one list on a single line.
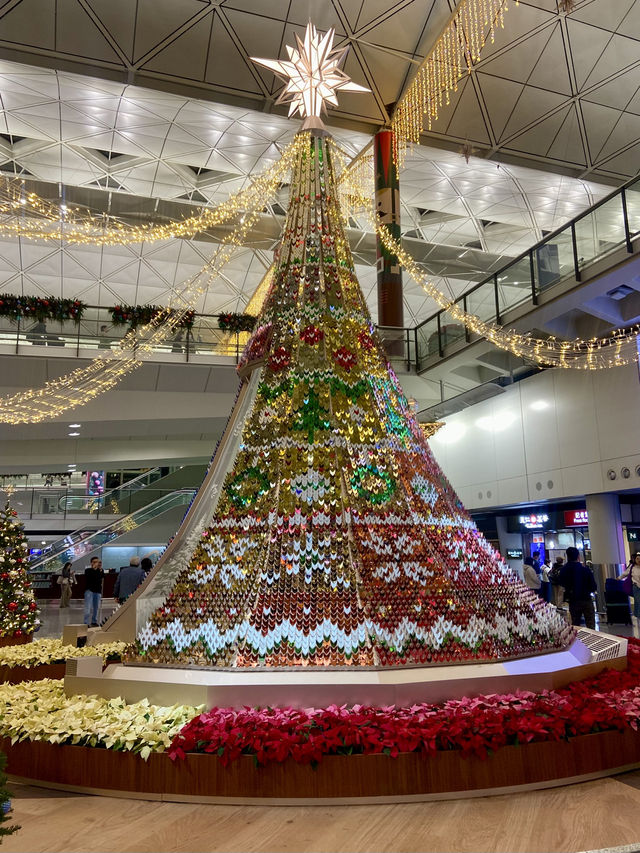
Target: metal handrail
[(77, 545)]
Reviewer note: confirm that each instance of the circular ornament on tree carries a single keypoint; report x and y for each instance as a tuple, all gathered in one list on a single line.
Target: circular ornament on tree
[(372, 484), (247, 487)]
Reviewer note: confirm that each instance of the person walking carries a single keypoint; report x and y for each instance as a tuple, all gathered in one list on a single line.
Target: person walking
[(633, 569), (66, 579), (128, 580), (579, 582), (93, 580)]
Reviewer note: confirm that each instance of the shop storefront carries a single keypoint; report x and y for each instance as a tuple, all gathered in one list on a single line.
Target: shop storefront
[(551, 533)]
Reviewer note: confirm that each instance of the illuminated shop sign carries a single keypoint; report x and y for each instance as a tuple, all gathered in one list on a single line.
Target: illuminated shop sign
[(576, 518), (531, 522), (514, 553)]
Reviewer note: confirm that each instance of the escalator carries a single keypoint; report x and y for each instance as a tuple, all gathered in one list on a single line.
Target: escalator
[(82, 543)]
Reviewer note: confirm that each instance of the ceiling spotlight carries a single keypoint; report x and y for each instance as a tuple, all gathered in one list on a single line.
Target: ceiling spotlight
[(71, 465), (73, 433), (74, 426)]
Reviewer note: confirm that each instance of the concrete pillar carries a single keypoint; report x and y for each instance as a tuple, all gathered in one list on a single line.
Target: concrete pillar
[(390, 304), (605, 529)]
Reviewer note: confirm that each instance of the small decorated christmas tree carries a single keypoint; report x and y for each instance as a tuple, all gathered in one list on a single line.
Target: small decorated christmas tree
[(18, 609)]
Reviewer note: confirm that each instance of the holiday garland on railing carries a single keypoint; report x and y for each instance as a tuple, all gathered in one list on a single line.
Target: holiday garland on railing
[(41, 308), (140, 315), (236, 322)]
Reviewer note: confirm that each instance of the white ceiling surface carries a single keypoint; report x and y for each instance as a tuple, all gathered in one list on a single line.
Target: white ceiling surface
[(72, 126), (560, 89)]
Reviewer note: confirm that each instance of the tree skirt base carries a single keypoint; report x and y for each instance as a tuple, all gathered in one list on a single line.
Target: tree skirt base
[(338, 778)]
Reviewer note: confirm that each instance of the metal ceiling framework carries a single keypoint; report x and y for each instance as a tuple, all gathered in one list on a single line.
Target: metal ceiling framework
[(560, 89), (538, 93)]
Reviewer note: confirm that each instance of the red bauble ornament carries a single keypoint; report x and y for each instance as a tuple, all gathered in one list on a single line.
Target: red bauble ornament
[(13, 605)]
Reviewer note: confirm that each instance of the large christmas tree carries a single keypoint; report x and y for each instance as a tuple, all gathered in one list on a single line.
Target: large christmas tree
[(337, 540), (18, 609)]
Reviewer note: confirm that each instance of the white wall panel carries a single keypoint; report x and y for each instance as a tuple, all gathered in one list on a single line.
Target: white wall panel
[(552, 436)]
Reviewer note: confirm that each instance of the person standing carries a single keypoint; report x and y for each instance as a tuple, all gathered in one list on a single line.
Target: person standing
[(146, 565), (578, 582), (93, 580), (128, 580), (545, 588), (554, 577), (66, 580), (634, 569), (532, 578)]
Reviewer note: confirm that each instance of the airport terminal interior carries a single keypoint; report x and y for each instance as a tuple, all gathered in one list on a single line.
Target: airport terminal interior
[(320, 425)]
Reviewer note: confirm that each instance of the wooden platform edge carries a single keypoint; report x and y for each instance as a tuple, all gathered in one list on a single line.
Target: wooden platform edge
[(346, 779)]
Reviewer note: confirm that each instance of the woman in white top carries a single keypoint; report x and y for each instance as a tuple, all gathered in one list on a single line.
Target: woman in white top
[(634, 568)]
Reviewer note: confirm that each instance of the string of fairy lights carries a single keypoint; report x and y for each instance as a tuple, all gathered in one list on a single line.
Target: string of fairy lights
[(458, 47), (613, 350), (616, 349), (26, 214), (105, 372)]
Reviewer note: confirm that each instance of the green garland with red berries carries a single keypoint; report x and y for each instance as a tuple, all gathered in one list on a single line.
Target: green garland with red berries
[(41, 308), (140, 315)]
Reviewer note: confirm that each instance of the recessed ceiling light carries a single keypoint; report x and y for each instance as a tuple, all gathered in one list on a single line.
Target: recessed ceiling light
[(70, 465), (74, 426), (73, 433)]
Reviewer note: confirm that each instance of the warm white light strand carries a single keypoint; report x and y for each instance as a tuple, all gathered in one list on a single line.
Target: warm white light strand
[(103, 373)]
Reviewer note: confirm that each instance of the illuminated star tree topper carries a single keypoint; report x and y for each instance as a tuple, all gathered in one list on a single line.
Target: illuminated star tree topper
[(313, 75)]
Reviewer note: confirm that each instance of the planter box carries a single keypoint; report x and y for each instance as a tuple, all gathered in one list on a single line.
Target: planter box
[(12, 640), (16, 674), (342, 778)]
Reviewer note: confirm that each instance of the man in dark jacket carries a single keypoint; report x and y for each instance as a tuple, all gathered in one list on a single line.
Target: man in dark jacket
[(128, 580), (578, 582), (93, 578)]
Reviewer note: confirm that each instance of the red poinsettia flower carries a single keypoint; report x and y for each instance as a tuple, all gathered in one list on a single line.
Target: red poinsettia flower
[(475, 726), (311, 335), (345, 358)]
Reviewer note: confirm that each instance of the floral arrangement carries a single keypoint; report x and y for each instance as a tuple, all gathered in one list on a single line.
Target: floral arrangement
[(41, 308), (140, 315), (54, 651), (236, 322), (40, 711), (475, 726)]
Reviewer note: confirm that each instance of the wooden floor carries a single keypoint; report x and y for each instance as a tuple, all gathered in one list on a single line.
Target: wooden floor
[(590, 816)]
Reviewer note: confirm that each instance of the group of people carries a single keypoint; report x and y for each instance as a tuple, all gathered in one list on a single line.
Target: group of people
[(129, 579), (572, 582)]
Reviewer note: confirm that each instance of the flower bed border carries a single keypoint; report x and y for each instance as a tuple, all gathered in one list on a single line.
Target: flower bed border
[(338, 777), (17, 674)]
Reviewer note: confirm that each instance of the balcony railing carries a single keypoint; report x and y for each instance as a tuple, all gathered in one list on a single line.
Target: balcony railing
[(69, 338), (609, 225)]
